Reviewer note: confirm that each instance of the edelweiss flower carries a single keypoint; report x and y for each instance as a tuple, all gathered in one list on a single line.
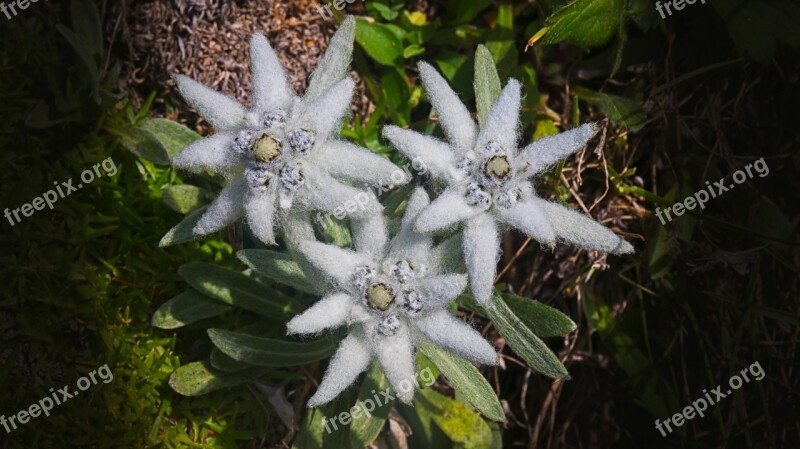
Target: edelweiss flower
[(283, 151), (390, 295), (488, 180)]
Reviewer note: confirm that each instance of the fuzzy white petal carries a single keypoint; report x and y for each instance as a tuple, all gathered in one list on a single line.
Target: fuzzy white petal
[(481, 253), (337, 263), (456, 121), (227, 208), (348, 161), (212, 153), (324, 115), (271, 89), (502, 122), (333, 66), (431, 154), (408, 244), (396, 356), (298, 229), (260, 209), (370, 235), (529, 218), (221, 111), (322, 192), (351, 359), (449, 332), (445, 212), (582, 231), (327, 313), (545, 152), (438, 291)]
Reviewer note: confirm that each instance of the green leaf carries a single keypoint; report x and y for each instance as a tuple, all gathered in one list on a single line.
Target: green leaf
[(182, 232), (279, 267), (222, 362), (543, 320), (588, 23), (523, 341), (86, 24), (173, 136), (460, 424), (186, 308), (413, 50), (143, 144), (184, 198), (466, 380), (380, 43), (234, 288), (270, 352), (544, 127), (199, 378), (487, 82), (622, 111), (465, 11), (457, 69), (365, 427)]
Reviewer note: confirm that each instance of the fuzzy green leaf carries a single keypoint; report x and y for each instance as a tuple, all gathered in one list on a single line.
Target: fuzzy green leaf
[(366, 427), (461, 425), (182, 232), (270, 352), (186, 308), (184, 198), (279, 267), (487, 82), (199, 378), (523, 341), (543, 320), (143, 144), (173, 136), (234, 288), (467, 381)]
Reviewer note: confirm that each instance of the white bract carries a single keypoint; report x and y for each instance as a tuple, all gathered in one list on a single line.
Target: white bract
[(390, 294), (488, 180), (283, 152)]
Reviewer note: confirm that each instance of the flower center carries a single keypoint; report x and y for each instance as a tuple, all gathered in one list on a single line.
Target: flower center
[(379, 296), (266, 148), (497, 167), (301, 140)]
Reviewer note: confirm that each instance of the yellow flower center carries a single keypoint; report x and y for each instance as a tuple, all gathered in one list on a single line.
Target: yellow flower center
[(267, 148), (380, 296), (497, 167)]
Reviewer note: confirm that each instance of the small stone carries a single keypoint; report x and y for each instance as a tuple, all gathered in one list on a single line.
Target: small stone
[(379, 296), (301, 140), (267, 148)]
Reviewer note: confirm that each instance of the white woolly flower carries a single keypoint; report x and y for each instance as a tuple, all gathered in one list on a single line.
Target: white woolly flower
[(390, 295), (283, 151), (488, 180)]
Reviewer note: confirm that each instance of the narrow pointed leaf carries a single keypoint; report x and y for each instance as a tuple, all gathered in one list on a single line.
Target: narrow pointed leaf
[(183, 231), (186, 308), (279, 267), (173, 136), (234, 288), (487, 82), (199, 378), (467, 381), (366, 426), (543, 320), (185, 198), (268, 351)]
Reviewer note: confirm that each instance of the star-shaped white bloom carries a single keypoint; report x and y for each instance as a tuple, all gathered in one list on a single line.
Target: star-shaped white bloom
[(390, 295), (282, 152), (488, 180)]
